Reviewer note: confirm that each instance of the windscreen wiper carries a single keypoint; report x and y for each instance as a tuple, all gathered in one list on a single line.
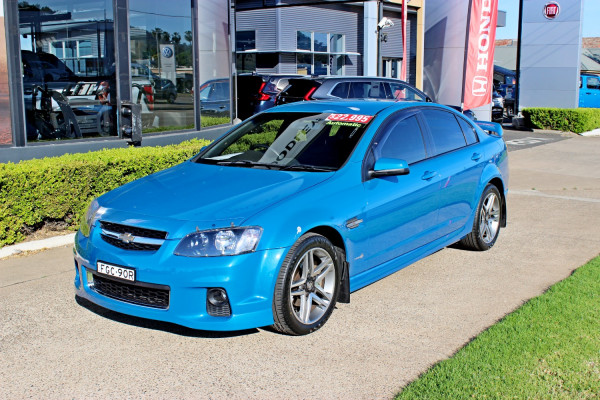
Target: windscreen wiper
[(312, 168), (249, 164)]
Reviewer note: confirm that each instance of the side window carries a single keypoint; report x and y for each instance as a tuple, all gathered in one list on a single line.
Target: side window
[(359, 90), (402, 92), (221, 91), (402, 140), (445, 131), (341, 90), (468, 131), (376, 91), (593, 83)]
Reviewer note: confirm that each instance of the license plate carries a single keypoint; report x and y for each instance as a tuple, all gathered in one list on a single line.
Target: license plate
[(116, 271)]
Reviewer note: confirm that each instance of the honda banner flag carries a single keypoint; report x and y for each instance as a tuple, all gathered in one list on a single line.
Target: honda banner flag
[(479, 66)]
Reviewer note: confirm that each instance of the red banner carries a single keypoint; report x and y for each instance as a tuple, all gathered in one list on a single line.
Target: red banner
[(403, 22), (479, 74)]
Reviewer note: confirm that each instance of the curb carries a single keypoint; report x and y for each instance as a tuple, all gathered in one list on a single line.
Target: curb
[(49, 243), (595, 132)]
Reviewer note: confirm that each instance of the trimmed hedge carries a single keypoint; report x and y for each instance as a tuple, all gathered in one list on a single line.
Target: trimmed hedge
[(576, 120), (57, 190)]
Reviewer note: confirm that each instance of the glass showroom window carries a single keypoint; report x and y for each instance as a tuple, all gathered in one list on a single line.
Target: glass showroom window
[(77, 55), (68, 62), (244, 41), (319, 53), (162, 64)]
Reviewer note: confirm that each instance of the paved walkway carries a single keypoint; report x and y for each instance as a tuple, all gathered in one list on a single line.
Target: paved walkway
[(51, 347)]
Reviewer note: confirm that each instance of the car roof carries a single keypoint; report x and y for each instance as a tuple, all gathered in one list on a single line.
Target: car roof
[(350, 106), (359, 78)]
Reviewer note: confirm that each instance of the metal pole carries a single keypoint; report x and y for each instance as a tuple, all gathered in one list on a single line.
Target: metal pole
[(462, 96), (517, 91), (379, 18), (15, 81)]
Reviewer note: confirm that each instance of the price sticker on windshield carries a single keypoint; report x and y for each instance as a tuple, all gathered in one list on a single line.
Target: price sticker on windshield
[(361, 119)]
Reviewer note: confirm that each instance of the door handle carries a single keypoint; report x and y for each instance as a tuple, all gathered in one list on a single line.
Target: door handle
[(428, 175), (221, 107), (476, 156)]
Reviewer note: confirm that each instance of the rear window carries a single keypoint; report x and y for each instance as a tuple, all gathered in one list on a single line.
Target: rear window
[(276, 84), (299, 87), (468, 130)]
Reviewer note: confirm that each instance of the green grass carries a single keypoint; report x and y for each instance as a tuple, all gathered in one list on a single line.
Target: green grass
[(547, 349), (205, 121)]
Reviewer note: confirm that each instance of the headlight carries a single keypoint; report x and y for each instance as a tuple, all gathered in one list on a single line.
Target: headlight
[(219, 242), (89, 218)]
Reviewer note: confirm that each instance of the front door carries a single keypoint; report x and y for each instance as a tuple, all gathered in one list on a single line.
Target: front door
[(401, 213)]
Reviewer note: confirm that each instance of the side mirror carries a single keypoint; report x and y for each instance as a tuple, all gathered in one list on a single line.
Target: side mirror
[(389, 167), (428, 100)]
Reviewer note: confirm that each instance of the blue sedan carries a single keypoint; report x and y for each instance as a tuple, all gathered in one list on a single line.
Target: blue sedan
[(291, 211)]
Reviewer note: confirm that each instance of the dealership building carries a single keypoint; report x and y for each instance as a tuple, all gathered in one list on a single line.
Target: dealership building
[(68, 69)]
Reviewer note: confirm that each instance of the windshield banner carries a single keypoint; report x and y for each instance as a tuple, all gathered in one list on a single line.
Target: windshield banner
[(480, 54), (361, 119)]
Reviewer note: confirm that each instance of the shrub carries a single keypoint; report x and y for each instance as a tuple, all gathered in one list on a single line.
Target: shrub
[(58, 189), (576, 120)]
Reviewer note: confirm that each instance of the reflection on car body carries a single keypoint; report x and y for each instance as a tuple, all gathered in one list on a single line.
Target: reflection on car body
[(291, 211)]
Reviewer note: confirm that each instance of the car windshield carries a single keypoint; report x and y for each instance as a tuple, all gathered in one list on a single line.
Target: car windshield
[(290, 141)]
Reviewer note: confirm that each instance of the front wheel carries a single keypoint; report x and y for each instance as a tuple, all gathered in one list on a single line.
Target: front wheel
[(307, 286), (486, 226)]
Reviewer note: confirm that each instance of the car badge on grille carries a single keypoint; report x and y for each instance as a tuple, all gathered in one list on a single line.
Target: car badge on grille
[(126, 237)]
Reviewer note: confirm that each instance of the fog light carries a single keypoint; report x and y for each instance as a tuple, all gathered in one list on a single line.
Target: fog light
[(217, 303), (217, 297)]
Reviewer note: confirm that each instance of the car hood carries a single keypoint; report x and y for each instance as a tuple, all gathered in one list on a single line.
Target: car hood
[(199, 192)]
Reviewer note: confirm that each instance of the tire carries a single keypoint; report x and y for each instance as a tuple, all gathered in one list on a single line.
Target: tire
[(171, 98), (486, 225), (305, 293)]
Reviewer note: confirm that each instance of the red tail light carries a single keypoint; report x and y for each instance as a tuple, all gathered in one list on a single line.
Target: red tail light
[(261, 95), (149, 91), (310, 92)]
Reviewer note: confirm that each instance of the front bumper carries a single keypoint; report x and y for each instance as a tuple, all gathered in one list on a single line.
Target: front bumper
[(249, 280)]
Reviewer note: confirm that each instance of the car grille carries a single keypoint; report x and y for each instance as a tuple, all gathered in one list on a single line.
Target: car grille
[(132, 293), (130, 246), (134, 230), (140, 239)]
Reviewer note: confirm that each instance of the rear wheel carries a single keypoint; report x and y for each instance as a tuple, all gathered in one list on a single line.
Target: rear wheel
[(486, 226), (307, 286)]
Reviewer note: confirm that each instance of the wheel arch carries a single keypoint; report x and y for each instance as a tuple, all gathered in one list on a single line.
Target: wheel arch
[(500, 185), (337, 240)]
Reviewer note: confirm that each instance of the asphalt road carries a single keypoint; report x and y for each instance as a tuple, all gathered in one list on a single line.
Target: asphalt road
[(53, 347), (524, 139)]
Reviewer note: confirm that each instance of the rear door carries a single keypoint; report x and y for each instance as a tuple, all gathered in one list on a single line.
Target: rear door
[(459, 160)]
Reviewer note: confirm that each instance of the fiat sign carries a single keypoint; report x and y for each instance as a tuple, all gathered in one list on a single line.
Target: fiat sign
[(551, 10)]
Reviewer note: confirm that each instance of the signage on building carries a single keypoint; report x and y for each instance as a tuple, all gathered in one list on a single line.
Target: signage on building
[(167, 62), (551, 10), (479, 68)]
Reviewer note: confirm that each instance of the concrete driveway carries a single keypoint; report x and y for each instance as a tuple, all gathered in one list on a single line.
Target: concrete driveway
[(52, 347)]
